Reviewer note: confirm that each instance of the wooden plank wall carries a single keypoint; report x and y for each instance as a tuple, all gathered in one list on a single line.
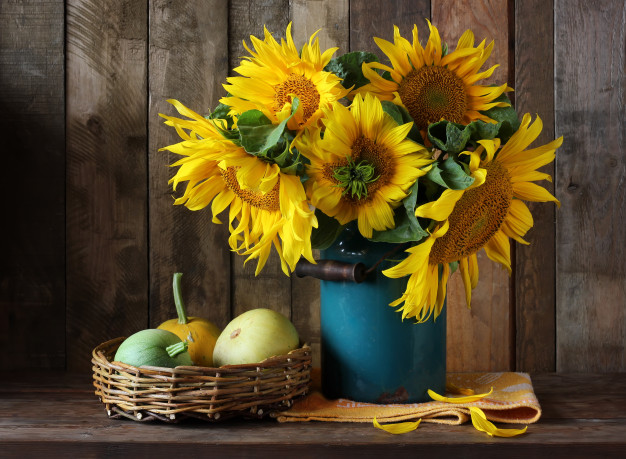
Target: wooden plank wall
[(91, 237), (32, 234), (535, 267), (590, 111)]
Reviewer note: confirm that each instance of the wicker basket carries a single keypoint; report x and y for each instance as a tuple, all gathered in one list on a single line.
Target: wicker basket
[(173, 394)]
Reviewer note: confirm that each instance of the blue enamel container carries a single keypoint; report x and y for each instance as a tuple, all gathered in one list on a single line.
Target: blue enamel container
[(368, 353)]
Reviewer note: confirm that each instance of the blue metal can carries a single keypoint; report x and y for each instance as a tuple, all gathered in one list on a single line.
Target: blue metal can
[(369, 354)]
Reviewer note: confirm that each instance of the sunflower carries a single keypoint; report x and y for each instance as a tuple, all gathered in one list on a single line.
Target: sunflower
[(276, 73), (363, 166), (485, 215), (433, 86), (266, 206)]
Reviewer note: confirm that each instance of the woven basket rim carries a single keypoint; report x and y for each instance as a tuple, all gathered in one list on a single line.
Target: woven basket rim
[(99, 353)]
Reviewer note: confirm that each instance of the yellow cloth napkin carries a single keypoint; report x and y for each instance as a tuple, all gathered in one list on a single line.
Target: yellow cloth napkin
[(512, 401)]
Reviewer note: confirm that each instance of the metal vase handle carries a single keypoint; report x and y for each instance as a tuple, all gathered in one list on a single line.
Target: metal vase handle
[(340, 271), (332, 270)]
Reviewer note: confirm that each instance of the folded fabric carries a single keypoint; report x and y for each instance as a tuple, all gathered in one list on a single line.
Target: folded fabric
[(512, 401)]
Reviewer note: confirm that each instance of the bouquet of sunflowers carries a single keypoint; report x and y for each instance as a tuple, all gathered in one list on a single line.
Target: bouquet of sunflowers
[(415, 151)]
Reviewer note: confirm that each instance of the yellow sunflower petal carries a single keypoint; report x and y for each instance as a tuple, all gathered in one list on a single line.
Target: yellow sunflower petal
[(467, 283), (397, 56), (473, 270), (465, 399), (520, 213), (480, 422), (534, 154), (418, 255), (221, 202), (513, 232), (491, 146), (474, 157), (442, 289), (423, 296), (397, 428), (522, 138), (533, 192), (531, 176), (454, 389), (498, 249), (440, 209)]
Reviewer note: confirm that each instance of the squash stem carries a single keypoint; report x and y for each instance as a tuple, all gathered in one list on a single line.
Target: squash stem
[(174, 349), (178, 299)]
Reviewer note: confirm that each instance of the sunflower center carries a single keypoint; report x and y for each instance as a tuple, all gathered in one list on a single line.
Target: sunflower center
[(433, 93), (362, 174), (476, 217), (268, 201), (303, 88), (354, 177)]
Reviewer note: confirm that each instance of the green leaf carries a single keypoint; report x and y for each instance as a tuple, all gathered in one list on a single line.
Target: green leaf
[(450, 174), (225, 129), (297, 168), (228, 134), (392, 110), (254, 128), (449, 137), (258, 134), (220, 112), (506, 116), (407, 227), (348, 67), (287, 161), (454, 138), (482, 130), (327, 231), (386, 75), (283, 159)]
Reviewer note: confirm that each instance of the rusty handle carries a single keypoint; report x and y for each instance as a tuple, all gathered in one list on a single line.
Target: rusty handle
[(332, 270)]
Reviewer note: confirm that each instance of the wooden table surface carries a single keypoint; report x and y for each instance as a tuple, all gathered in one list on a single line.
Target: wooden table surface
[(55, 414)]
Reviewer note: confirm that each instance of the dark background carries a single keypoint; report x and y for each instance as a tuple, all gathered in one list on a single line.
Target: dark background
[(90, 237)]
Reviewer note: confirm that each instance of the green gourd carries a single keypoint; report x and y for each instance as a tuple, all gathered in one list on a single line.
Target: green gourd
[(153, 347)]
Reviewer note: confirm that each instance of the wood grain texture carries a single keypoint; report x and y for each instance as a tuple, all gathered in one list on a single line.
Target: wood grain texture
[(188, 62), (32, 128), (248, 17), (332, 17), (488, 19), (535, 269), (591, 235), (107, 282), (91, 238), (481, 338), (376, 19), (271, 288), (59, 416)]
